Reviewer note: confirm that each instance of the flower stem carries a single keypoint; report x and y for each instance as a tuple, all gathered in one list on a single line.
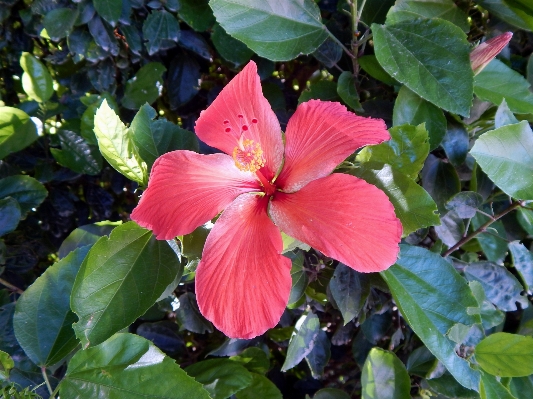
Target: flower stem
[(482, 228)]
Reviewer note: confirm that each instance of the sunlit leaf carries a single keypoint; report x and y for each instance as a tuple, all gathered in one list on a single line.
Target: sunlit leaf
[(384, 376), (17, 131), (506, 355), (36, 79)]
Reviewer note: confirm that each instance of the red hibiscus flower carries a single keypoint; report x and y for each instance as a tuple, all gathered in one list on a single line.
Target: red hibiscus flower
[(264, 185)]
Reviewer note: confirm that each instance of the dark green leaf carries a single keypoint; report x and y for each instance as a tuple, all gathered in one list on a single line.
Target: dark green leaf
[(384, 376), (370, 65), (109, 10), (300, 280), (421, 282), (324, 90), (465, 204), (501, 287), (506, 355), (520, 387), (254, 359), (407, 10), (76, 154), (36, 79), (119, 280), (28, 192), (17, 131), (350, 290), (197, 14), (43, 319), (420, 361), (229, 48), (302, 341), (104, 39), (220, 377), (189, 317), (491, 388), (497, 82), (447, 387), (523, 263), (260, 387), (506, 156), (512, 15), (405, 151), (59, 22), (525, 218), (182, 80), (133, 38), (154, 138), (415, 53), (410, 108), (117, 146), (127, 366), (276, 31), (329, 53), (319, 356), (196, 43), (145, 86), (451, 229), (347, 91), (440, 180), (9, 215), (455, 143), (493, 242), (413, 205), (374, 11), (162, 31), (84, 235)]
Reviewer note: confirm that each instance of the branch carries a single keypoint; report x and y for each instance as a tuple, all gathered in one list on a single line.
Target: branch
[(11, 286)]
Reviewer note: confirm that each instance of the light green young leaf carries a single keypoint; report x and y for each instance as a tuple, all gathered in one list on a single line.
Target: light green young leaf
[(17, 131), (36, 79), (506, 355)]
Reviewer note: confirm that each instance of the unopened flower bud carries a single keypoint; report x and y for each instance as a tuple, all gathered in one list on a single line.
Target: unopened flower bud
[(486, 51)]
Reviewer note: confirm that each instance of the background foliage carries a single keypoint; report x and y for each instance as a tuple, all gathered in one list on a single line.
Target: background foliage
[(93, 91)]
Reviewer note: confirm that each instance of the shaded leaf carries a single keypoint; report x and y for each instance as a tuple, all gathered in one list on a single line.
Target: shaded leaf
[(322, 90), (465, 204), (145, 86), (300, 280), (350, 290), (183, 81), (347, 91), (260, 387), (59, 22), (523, 262), (512, 15), (329, 53), (490, 316), (491, 388), (506, 355), (319, 356), (331, 393), (197, 14), (384, 376), (76, 154), (103, 36), (525, 219), (17, 131), (28, 192), (162, 31), (494, 241), (371, 65), (455, 143), (440, 180), (9, 215), (230, 49), (189, 317), (303, 340), (254, 359), (109, 10)]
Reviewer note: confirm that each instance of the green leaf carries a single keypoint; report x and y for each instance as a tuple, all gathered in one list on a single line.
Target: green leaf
[(412, 204), (407, 10), (498, 82), (17, 131), (465, 204), (220, 377), (441, 181), (320, 354), (162, 31), (276, 31), (154, 138), (324, 90), (254, 359), (93, 102), (491, 388), (422, 282), (127, 366), (414, 53), (525, 219), (36, 79), (329, 53), (504, 116), (229, 48), (370, 65), (506, 156), (521, 386), (512, 15), (189, 317), (347, 91), (85, 235), (6, 364), (9, 215), (506, 355), (410, 108), (182, 81), (384, 376), (43, 319), (116, 145), (406, 151), (28, 192), (59, 22), (523, 263), (501, 286), (119, 280), (455, 143), (331, 393), (260, 387), (300, 280), (374, 10), (197, 14), (109, 10), (493, 242), (76, 154), (302, 341), (350, 290), (145, 86), (490, 316)]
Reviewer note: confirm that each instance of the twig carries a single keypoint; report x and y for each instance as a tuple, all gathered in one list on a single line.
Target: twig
[(45, 376), (482, 229), (11, 286)]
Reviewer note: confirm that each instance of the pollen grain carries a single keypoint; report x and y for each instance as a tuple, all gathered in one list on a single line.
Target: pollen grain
[(248, 156)]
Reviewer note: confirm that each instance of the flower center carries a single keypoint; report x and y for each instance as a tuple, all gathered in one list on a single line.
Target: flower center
[(248, 155)]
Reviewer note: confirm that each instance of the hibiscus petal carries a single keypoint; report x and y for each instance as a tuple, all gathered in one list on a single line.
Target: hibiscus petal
[(343, 217), (320, 135), (242, 282), (241, 103), (187, 189)]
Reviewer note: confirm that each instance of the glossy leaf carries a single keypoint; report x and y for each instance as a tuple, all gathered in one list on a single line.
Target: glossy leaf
[(523, 262), (197, 14), (413, 54), (36, 79), (59, 22), (506, 355), (260, 387), (455, 143), (9, 215), (104, 38), (43, 319), (119, 280), (129, 366), (116, 145), (109, 10), (465, 204), (302, 341), (411, 109), (412, 204), (145, 86), (273, 30), (512, 15), (230, 49), (405, 151), (162, 31), (154, 138), (440, 180), (501, 287), (371, 65), (28, 192), (504, 116), (384, 376), (220, 377), (421, 282), (506, 156), (451, 229), (85, 235), (17, 131), (76, 154), (350, 290)]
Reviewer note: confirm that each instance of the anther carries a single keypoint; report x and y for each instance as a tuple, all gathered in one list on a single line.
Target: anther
[(226, 122), (244, 127), (228, 129), (248, 155), (240, 116), (254, 120)]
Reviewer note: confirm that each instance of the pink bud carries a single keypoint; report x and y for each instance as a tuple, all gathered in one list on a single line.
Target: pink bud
[(486, 51)]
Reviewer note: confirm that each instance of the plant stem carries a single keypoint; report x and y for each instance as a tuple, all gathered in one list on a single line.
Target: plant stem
[(11, 286), (482, 229), (355, 33), (45, 376)]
